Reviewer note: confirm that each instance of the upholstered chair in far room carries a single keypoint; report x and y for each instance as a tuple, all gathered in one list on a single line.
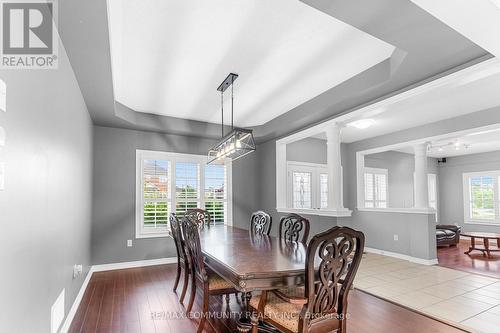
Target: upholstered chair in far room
[(448, 234), (210, 282), (332, 260), (294, 228)]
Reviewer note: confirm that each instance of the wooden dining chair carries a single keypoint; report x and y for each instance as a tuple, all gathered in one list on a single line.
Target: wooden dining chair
[(210, 282), (260, 223), (200, 216), (332, 260), (294, 228), (183, 265)]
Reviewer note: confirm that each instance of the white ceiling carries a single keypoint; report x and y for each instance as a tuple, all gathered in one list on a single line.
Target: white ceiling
[(478, 20), (473, 89), (168, 57), (480, 141)]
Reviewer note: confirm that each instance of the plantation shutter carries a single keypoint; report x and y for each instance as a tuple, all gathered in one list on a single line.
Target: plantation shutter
[(155, 193), (216, 192)]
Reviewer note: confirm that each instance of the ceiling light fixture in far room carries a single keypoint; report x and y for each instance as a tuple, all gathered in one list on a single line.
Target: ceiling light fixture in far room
[(362, 123), (496, 3), (239, 142)]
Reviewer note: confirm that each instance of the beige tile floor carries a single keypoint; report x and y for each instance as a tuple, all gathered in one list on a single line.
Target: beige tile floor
[(467, 300)]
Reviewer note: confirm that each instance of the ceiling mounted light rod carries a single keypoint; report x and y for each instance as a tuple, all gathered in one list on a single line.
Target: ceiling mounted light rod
[(239, 142)]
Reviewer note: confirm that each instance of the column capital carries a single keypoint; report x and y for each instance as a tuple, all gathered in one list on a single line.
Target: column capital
[(333, 132), (421, 149)]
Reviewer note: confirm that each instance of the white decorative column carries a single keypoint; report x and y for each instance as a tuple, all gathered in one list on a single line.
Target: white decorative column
[(421, 184), (334, 166)]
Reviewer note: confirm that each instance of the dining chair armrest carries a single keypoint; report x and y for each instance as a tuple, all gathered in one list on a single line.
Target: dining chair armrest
[(290, 299)]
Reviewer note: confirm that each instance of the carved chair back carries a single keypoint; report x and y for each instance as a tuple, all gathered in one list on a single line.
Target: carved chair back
[(260, 223), (199, 216), (294, 228), (338, 252), (175, 226), (191, 233)]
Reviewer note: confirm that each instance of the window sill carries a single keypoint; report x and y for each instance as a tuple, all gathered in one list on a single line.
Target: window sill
[(318, 212), (400, 210), (153, 234), (479, 222)]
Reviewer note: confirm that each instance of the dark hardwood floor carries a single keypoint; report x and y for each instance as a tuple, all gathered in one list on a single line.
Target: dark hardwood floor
[(454, 257), (141, 300)]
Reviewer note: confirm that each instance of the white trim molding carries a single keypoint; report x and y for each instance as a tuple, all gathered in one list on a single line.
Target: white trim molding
[(133, 264), (319, 212), (427, 262), (107, 267), (399, 210)]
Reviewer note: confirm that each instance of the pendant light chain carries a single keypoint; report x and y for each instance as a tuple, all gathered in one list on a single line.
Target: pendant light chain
[(232, 103), (222, 109)]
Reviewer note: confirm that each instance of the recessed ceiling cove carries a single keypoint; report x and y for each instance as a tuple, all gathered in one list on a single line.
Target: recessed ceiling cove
[(168, 57)]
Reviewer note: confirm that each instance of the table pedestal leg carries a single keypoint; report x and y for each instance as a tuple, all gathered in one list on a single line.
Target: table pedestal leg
[(472, 245), (486, 243)]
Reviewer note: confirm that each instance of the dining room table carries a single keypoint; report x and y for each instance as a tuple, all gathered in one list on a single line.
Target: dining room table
[(252, 262)]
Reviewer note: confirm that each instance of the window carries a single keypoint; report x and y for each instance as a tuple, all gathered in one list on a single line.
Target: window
[(170, 182), (155, 193), (302, 189), (481, 197), (216, 192), (187, 187), (375, 188), (323, 181), (307, 185)]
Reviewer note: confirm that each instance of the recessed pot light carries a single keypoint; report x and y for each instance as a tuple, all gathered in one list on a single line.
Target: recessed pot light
[(362, 123)]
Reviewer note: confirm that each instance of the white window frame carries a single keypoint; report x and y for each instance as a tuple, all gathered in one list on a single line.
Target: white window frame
[(377, 171), (316, 169), (173, 158), (466, 197)]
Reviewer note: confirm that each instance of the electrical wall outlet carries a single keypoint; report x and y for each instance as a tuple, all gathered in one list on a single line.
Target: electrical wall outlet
[(396, 237), (77, 270), (129, 243)]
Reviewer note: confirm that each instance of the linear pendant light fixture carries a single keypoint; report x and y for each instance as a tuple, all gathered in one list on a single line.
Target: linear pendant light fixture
[(239, 142)]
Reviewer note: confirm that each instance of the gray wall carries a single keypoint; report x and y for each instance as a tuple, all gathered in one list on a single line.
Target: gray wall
[(451, 187), (415, 237), (309, 150), (266, 155), (415, 232), (114, 191), (379, 228), (400, 168), (45, 209)]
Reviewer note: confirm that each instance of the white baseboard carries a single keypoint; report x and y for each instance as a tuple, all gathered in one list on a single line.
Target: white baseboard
[(71, 314), (107, 267), (133, 264), (428, 262)]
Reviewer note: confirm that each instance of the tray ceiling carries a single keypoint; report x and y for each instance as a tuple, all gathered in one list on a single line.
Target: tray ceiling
[(168, 57)]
